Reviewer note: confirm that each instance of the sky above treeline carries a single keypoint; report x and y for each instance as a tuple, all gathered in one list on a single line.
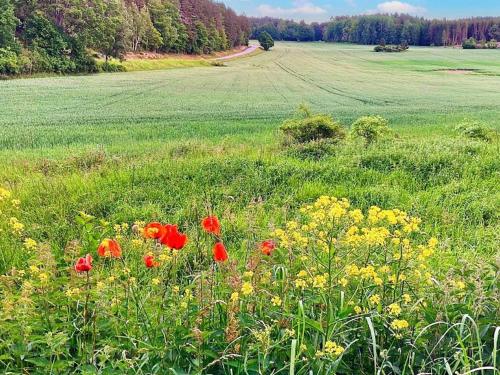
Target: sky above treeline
[(322, 10)]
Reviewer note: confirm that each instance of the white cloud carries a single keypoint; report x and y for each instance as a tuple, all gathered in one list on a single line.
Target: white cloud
[(399, 7), (301, 9)]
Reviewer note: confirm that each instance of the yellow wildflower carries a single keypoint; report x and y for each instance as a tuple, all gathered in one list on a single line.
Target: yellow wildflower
[(399, 324), (332, 348), (247, 288), (235, 296), (394, 309), (406, 298), (276, 301), (375, 299), (30, 244), (302, 274), (319, 281)]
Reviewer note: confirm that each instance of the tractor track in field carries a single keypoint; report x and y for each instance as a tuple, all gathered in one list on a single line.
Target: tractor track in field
[(332, 91)]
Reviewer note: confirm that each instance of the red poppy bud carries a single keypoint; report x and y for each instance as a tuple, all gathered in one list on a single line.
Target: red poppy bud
[(84, 264), (173, 238), (267, 247), (109, 248), (154, 230), (150, 262), (220, 253), (211, 225)]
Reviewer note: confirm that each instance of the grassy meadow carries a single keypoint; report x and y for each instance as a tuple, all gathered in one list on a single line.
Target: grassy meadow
[(176, 145)]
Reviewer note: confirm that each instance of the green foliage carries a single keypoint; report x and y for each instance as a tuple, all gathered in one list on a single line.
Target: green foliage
[(312, 128), (492, 44), (475, 130), (57, 37), (266, 40), (470, 43), (9, 62), (403, 29), (111, 67), (200, 42), (370, 128), (385, 48), (8, 23)]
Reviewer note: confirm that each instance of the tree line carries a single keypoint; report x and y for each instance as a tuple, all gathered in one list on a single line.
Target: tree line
[(377, 28), (62, 36)]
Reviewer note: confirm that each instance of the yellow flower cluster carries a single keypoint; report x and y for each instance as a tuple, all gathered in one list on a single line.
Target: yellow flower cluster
[(331, 349), (247, 288), (30, 244), (16, 226), (399, 324), (4, 194)]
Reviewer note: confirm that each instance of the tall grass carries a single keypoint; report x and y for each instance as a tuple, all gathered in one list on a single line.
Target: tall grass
[(170, 145)]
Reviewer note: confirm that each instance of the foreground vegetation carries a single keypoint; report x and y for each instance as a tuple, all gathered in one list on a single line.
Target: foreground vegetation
[(140, 154)]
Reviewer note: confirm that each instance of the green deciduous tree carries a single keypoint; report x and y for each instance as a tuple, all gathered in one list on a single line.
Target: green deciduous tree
[(8, 23)]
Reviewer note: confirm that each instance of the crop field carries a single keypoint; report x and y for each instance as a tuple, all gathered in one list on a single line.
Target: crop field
[(176, 145)]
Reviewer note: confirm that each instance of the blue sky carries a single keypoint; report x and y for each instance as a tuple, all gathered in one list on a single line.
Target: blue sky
[(322, 10)]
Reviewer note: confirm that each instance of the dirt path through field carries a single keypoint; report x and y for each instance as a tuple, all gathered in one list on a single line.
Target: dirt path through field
[(246, 51)]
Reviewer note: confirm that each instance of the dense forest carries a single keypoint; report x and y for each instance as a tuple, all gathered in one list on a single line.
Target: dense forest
[(372, 29), (62, 36), (288, 30)]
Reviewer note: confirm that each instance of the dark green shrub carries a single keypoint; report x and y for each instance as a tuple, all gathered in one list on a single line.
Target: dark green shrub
[(312, 128), (370, 128), (314, 150), (54, 51), (217, 63), (475, 130), (470, 43), (266, 40), (112, 67), (383, 48)]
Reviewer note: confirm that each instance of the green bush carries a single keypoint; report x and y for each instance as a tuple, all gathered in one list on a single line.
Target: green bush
[(312, 128), (383, 48), (469, 43), (492, 44), (370, 128), (112, 67), (266, 40), (9, 62), (475, 130), (313, 150)]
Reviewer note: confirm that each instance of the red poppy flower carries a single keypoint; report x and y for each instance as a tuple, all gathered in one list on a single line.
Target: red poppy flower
[(149, 261), (267, 247), (84, 264), (173, 238), (109, 248), (211, 225), (154, 230), (220, 253)]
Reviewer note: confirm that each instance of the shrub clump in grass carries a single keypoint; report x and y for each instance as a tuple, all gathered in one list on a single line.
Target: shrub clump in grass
[(383, 48), (217, 63), (370, 128), (112, 67), (309, 127), (475, 130)]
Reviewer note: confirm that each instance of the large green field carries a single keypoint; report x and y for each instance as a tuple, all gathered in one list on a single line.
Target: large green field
[(167, 145), (124, 144)]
